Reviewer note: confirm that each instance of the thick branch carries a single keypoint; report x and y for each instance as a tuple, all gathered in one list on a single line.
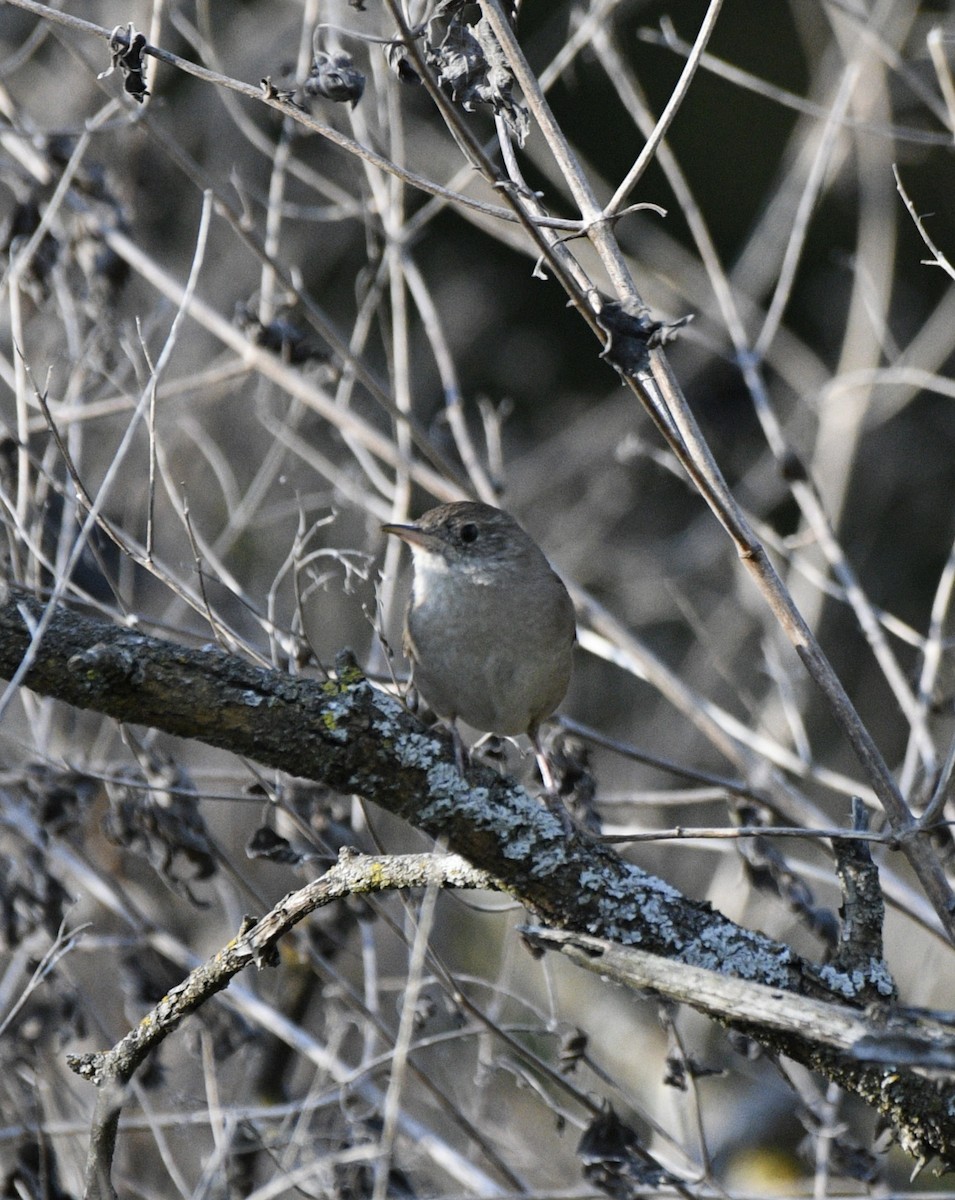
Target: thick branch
[(358, 739)]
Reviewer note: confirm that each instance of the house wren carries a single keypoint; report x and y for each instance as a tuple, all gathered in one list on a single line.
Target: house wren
[(490, 627)]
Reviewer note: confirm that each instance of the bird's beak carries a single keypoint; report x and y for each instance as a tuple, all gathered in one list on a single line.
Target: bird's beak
[(411, 534)]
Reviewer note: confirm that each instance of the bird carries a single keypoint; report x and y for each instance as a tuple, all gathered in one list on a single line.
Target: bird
[(490, 626)]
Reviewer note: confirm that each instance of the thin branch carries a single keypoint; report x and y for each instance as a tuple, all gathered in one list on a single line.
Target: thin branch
[(672, 107), (938, 259)]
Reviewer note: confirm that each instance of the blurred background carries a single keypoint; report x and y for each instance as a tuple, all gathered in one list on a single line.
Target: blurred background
[(354, 349)]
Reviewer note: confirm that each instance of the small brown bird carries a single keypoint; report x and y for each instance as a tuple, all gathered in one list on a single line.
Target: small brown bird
[(490, 627)]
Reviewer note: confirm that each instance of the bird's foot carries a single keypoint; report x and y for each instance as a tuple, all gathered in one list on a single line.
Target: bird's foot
[(556, 807)]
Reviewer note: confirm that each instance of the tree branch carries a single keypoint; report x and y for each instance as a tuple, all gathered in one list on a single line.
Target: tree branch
[(358, 739)]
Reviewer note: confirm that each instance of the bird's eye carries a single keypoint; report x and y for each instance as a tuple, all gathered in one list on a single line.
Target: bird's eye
[(469, 533)]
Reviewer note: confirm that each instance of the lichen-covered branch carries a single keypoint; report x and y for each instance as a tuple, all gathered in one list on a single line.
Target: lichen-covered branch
[(358, 739)]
